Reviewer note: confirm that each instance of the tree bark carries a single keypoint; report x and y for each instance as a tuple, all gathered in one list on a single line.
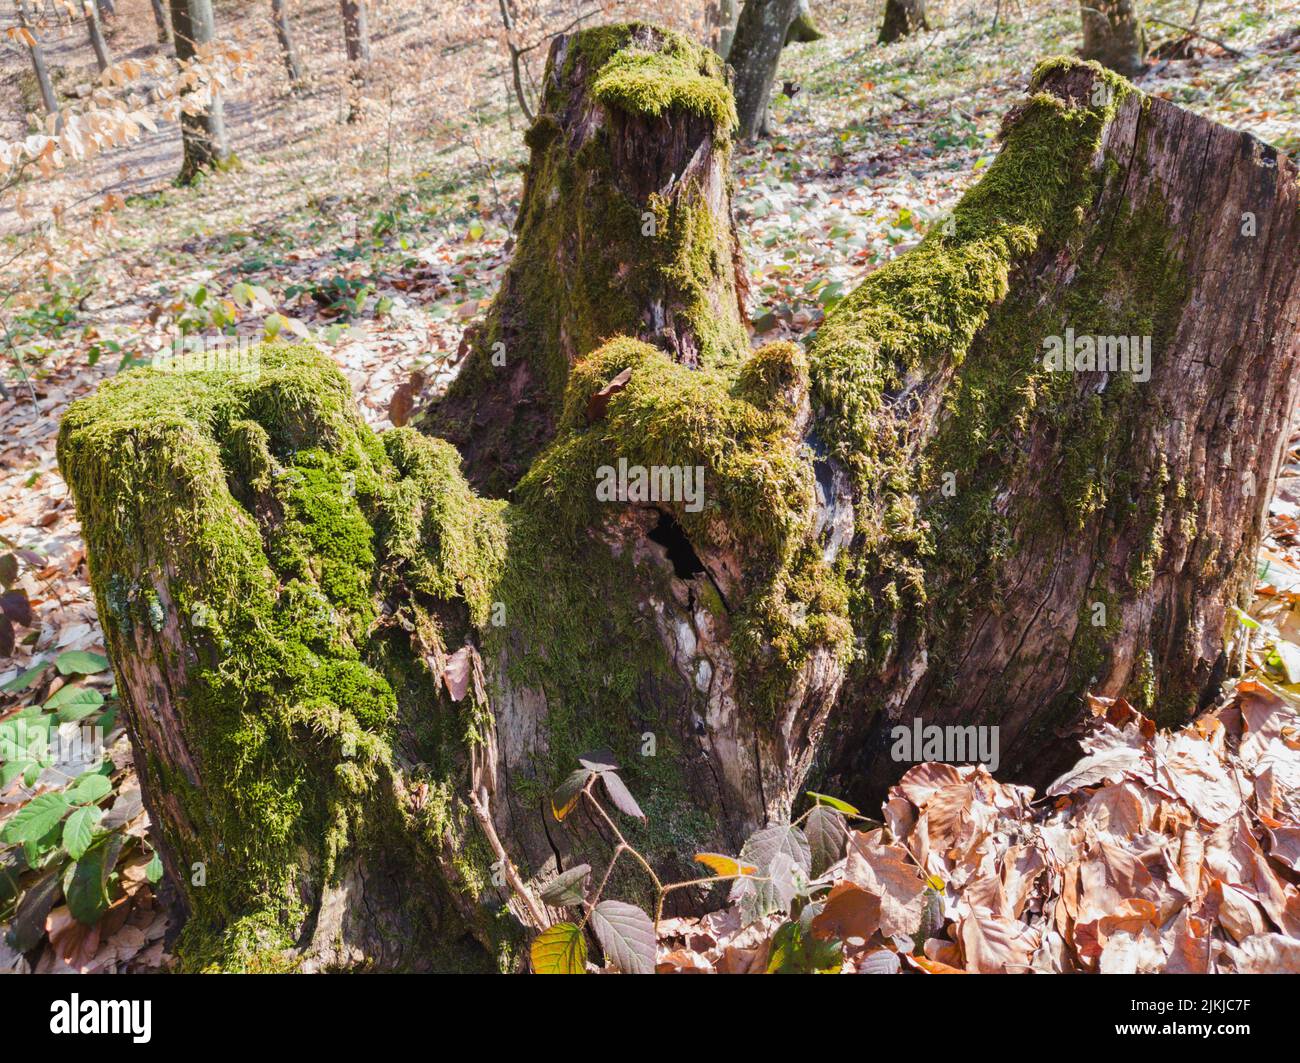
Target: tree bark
[(356, 39), (107, 8), (352, 683), (755, 54), (1113, 34), (164, 27), (726, 26), (203, 135), (291, 64), (102, 59), (42, 72), (902, 19)]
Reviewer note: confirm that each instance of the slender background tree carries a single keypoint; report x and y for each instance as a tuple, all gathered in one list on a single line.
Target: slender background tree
[(754, 55), (203, 124)]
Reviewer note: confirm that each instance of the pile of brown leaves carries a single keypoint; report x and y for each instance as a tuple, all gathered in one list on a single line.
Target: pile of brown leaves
[(1157, 852)]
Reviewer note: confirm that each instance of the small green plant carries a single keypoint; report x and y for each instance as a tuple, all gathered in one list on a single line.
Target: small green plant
[(340, 297), (781, 869), (57, 843)]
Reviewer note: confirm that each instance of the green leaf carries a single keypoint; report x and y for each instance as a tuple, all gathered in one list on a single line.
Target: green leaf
[(79, 830), (827, 834), (25, 679), (833, 802), (777, 851), (626, 934), (1245, 620), (89, 788), (154, 872), (11, 769), (560, 949), (797, 951), (86, 882), (34, 820), (566, 887), (74, 702), (80, 662)]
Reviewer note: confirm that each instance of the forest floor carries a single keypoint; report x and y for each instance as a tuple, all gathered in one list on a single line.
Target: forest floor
[(383, 239)]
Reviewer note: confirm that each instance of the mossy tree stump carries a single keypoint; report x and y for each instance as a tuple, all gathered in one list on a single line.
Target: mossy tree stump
[(625, 229), (352, 682), (1030, 533)]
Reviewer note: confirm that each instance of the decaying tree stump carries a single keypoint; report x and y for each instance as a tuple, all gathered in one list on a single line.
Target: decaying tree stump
[(1042, 532), (352, 683), (625, 229)]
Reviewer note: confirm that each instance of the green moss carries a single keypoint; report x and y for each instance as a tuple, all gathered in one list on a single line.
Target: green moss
[(574, 582), (679, 75), (448, 542)]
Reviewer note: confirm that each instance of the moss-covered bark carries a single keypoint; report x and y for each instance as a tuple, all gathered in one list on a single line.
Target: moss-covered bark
[(803, 30), (1029, 534), (277, 586), (625, 228)]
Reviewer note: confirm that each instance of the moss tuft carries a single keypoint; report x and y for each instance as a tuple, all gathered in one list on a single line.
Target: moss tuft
[(678, 75)]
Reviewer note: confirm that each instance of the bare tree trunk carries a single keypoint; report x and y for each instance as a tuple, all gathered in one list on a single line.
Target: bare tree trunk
[(291, 64), (42, 72), (902, 18), (357, 41), (726, 26), (352, 683), (755, 54), (204, 134), (107, 8), (102, 59), (164, 27), (1113, 34)]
